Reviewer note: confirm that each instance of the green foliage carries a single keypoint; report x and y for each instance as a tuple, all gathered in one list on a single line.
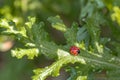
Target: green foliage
[(98, 52), (71, 38), (19, 53), (57, 23), (53, 70)]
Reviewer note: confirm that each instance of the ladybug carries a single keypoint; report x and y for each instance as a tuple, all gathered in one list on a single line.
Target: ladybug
[(74, 50)]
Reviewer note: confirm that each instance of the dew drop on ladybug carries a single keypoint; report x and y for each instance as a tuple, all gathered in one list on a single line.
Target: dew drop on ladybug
[(74, 50)]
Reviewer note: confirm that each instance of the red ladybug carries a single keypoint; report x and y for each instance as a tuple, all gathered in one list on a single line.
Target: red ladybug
[(74, 50)]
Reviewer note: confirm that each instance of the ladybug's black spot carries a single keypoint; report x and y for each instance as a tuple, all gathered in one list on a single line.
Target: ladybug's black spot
[(78, 51)]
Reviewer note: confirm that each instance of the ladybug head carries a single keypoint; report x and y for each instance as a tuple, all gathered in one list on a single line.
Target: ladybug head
[(78, 51)]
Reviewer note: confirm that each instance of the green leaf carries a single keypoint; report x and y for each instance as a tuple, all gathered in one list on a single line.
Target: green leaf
[(49, 49), (91, 59), (71, 34), (11, 29), (41, 74), (57, 23), (82, 78), (28, 27), (30, 53), (85, 10), (113, 74), (73, 74), (39, 34), (61, 53), (82, 34), (89, 7), (93, 29), (78, 71)]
